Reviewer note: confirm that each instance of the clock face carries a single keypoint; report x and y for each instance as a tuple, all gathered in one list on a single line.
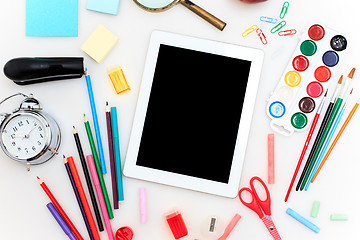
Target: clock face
[(24, 136)]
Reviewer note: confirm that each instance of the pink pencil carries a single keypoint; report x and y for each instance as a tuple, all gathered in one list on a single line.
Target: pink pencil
[(100, 196), (305, 146)]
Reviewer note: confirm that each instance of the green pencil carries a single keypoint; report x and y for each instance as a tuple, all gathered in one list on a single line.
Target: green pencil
[(98, 168), (323, 137)]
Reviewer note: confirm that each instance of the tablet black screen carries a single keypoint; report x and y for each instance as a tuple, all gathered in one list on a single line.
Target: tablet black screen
[(193, 114)]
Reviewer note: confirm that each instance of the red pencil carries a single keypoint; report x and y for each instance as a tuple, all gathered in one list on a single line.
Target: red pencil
[(60, 210), (305, 146), (83, 198)]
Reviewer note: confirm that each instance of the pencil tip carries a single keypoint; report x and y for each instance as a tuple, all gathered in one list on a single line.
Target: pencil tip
[(74, 130), (340, 80), (351, 74), (324, 96), (351, 90), (107, 103), (37, 177), (85, 118)]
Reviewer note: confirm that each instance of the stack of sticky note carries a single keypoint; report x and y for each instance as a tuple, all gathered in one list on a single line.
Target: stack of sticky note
[(104, 6), (100, 43), (52, 18)]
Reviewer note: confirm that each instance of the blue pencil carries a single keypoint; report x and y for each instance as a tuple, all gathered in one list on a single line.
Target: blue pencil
[(96, 122), (326, 145), (115, 129)]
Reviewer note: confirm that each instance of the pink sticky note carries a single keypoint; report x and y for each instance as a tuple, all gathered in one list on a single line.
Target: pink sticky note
[(271, 157)]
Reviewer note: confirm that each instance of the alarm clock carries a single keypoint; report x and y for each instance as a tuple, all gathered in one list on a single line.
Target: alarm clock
[(29, 135)]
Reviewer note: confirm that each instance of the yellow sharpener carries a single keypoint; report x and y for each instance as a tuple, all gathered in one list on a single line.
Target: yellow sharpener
[(118, 79)]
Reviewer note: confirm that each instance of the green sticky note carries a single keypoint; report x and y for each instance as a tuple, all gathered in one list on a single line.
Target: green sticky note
[(52, 18)]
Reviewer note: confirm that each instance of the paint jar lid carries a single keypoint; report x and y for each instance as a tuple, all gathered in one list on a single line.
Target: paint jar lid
[(338, 43), (300, 63), (308, 47), (330, 58), (299, 120), (316, 32), (322, 74), (307, 105), (314, 89), (277, 109), (124, 233)]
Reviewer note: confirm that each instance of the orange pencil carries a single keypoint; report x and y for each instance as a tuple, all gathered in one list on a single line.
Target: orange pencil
[(60, 210), (336, 139), (83, 198)]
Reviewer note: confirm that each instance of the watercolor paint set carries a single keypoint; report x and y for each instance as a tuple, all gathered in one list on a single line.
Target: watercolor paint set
[(293, 104)]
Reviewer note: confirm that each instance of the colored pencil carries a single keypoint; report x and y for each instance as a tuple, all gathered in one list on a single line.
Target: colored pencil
[(76, 192), (60, 221), (320, 132), (115, 128), (98, 167), (60, 210), (84, 201), (334, 113), (311, 131), (100, 196), (88, 179), (326, 145), (112, 156), (96, 122), (351, 114)]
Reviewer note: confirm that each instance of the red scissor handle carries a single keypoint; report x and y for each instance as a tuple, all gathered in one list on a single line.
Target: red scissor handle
[(265, 205), (253, 205)]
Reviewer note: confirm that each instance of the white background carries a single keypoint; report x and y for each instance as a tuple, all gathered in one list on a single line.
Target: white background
[(23, 214)]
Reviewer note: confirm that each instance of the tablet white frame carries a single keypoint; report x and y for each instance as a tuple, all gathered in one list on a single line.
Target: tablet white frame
[(173, 179)]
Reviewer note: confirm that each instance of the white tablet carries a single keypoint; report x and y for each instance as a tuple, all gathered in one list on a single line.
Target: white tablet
[(194, 113)]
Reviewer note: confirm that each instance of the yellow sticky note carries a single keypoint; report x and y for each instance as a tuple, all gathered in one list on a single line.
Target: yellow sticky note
[(100, 43)]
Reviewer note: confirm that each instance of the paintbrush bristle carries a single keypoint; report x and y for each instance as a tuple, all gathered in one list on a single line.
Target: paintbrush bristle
[(340, 80), (351, 74)]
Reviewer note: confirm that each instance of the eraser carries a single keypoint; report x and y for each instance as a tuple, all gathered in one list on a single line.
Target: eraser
[(230, 226), (315, 209), (100, 43), (118, 80), (271, 159), (339, 217), (177, 225), (303, 220)]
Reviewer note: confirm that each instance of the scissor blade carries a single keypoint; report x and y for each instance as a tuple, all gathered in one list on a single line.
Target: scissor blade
[(271, 227)]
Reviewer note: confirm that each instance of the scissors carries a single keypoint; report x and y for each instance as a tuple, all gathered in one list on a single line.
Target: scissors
[(262, 208)]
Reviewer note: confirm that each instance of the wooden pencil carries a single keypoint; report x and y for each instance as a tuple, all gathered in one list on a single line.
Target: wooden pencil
[(84, 201), (112, 156), (60, 209), (98, 167), (78, 199), (88, 179)]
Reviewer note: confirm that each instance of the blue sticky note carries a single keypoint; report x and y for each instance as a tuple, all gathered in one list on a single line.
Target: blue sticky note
[(52, 18), (104, 6)]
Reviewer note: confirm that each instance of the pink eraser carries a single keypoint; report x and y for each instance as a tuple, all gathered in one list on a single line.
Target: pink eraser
[(142, 205), (271, 157), (230, 226)]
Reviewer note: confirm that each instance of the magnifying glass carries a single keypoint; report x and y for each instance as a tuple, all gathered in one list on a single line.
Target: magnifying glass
[(162, 5)]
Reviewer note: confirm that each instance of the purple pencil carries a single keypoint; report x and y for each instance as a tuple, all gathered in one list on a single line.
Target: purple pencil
[(76, 192), (61, 221), (112, 156)]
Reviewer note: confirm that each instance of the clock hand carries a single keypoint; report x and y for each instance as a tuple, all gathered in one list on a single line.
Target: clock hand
[(27, 135)]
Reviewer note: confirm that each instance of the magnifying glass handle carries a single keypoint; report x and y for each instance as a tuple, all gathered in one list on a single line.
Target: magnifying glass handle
[(204, 14)]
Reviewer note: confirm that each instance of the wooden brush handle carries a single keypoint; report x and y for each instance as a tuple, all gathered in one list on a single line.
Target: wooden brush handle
[(204, 14)]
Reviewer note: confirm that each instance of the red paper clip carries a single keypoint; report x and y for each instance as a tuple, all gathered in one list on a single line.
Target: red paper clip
[(287, 32), (261, 36)]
